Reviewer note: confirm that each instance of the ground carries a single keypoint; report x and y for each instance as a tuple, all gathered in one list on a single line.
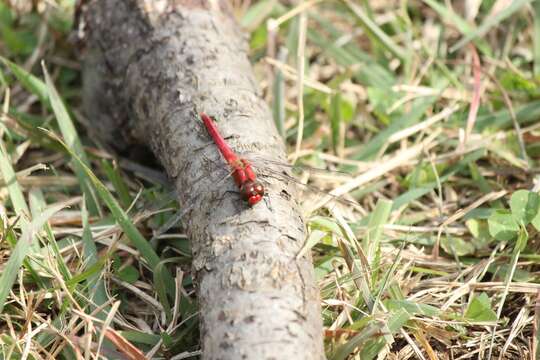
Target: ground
[(425, 117)]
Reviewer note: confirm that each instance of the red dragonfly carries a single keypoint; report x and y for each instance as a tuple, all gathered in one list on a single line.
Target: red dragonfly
[(242, 172)]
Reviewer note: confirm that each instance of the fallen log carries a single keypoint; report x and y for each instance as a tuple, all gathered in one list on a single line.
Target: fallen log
[(150, 67)]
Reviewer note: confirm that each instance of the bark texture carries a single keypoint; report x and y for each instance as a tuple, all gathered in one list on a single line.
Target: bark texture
[(149, 68)]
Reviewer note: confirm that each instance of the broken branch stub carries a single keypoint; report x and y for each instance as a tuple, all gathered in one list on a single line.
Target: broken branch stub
[(149, 68)]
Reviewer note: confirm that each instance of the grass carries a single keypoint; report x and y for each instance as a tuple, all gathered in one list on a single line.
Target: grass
[(432, 112)]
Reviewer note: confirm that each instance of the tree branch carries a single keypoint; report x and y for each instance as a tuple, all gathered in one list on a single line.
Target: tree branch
[(150, 68)]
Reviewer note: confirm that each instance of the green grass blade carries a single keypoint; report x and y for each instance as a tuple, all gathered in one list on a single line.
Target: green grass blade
[(371, 73), (28, 81), (343, 351), (3, 80), (131, 231), (114, 175), (9, 274), (14, 189), (377, 32), (370, 150), (525, 114), (257, 13), (140, 337), (519, 246), (96, 289), (335, 120), (418, 192), (394, 323), (72, 139), (314, 238), (161, 289), (378, 219), (37, 206), (536, 39), (490, 22), (448, 15), (64, 121)]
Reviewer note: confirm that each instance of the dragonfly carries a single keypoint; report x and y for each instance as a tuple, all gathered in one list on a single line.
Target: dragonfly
[(251, 189), (243, 173)]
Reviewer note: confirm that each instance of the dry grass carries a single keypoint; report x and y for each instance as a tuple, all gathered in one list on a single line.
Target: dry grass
[(432, 112)]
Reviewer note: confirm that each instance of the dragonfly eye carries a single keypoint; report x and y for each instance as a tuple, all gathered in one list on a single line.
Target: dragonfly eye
[(252, 200), (259, 189), (252, 192)]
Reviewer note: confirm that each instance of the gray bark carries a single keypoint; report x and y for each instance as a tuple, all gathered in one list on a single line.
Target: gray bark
[(149, 68)]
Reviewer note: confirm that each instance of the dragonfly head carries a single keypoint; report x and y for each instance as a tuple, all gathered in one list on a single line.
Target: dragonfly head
[(252, 191)]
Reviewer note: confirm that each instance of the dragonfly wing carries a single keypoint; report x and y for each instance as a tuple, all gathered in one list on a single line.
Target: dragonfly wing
[(286, 176), (175, 219), (256, 159)]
